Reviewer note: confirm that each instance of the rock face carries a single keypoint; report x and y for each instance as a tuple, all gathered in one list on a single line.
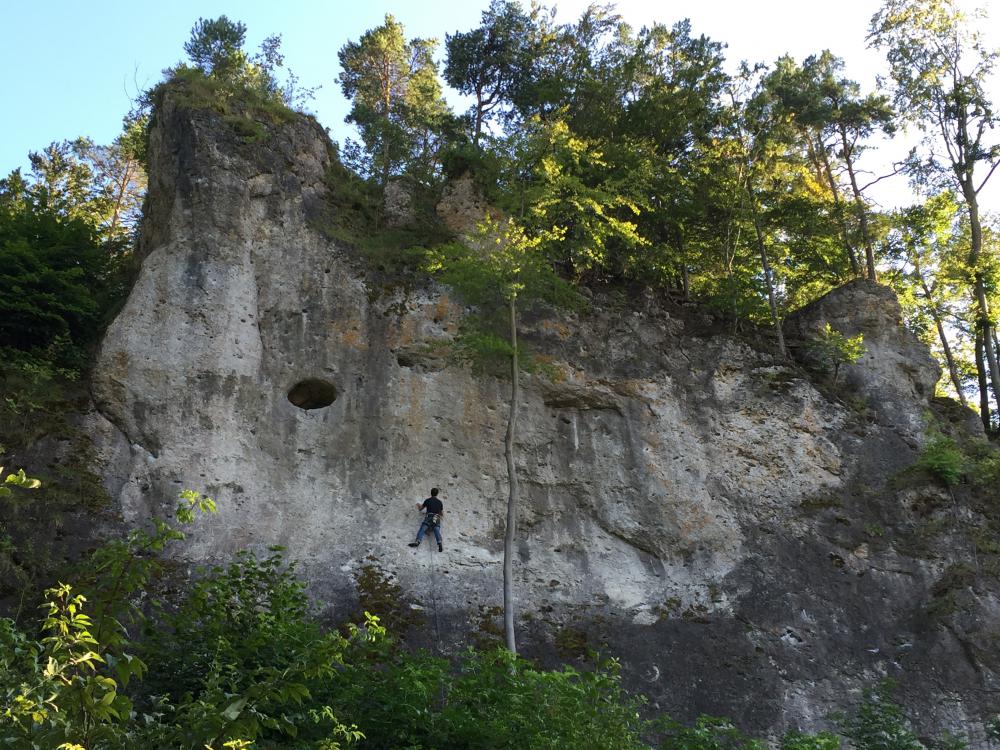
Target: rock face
[(896, 371), (691, 504)]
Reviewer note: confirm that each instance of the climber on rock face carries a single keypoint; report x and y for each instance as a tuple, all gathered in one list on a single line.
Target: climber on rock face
[(433, 511)]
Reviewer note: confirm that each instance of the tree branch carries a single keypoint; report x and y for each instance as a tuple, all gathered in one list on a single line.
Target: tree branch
[(899, 167), (988, 175)]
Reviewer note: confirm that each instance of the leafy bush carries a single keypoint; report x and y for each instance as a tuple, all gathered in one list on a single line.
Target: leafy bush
[(240, 661), (879, 724), (943, 459), (242, 657), (56, 283), (986, 472), (708, 733), (832, 349), (800, 741), (493, 700)]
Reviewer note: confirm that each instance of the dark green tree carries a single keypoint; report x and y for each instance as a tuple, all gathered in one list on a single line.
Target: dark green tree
[(834, 118), (488, 61), (55, 282), (216, 47), (223, 73), (396, 101)]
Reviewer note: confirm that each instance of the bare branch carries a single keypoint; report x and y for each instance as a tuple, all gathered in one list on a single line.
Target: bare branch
[(988, 175), (899, 167)]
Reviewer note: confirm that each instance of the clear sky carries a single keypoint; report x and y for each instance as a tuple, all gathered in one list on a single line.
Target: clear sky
[(71, 66)]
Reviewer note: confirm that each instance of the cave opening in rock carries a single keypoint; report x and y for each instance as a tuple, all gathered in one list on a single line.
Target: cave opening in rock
[(312, 393)]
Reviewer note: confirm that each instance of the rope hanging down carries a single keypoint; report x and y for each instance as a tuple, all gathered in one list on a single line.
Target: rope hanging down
[(434, 606)]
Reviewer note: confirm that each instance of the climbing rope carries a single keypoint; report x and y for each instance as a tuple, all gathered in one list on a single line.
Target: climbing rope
[(434, 606), (959, 527), (442, 696)]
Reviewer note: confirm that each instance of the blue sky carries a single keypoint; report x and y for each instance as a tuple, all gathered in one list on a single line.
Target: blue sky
[(71, 67)]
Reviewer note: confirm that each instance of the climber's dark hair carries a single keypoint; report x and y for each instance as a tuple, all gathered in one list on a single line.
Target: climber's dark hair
[(434, 491)]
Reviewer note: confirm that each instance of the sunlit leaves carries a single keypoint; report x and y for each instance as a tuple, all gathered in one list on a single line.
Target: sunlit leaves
[(17, 479)]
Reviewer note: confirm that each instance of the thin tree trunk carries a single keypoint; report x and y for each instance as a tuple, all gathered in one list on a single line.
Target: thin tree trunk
[(508, 539), (859, 205), (949, 357), (685, 280), (984, 388), (768, 277), (985, 322), (120, 198), (477, 128), (839, 208)]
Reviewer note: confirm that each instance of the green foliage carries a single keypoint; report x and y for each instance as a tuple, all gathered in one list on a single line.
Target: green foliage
[(707, 733), (985, 472), (800, 741), (396, 103), (993, 728), (57, 282), (244, 106), (499, 267), (832, 349), (251, 613), (241, 657), (488, 62), (943, 459), (225, 77), (499, 263), (17, 479), (65, 689), (494, 701), (216, 47), (878, 723), (565, 193)]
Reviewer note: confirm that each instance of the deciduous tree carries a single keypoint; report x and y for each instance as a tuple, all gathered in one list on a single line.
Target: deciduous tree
[(939, 65)]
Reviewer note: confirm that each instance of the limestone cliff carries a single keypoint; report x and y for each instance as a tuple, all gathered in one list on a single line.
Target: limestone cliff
[(692, 504)]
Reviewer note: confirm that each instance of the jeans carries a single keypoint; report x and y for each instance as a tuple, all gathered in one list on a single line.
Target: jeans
[(423, 530)]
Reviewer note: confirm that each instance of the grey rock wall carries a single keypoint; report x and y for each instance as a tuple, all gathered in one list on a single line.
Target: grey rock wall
[(690, 503)]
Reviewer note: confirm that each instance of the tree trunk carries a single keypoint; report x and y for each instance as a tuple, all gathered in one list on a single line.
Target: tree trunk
[(949, 357), (984, 388), (122, 187), (478, 127), (839, 208), (768, 278), (985, 324), (508, 538), (685, 279), (859, 205)]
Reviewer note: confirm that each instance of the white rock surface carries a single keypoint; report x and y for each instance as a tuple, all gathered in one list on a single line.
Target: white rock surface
[(657, 468)]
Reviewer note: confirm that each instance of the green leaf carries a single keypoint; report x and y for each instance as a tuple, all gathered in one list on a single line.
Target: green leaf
[(234, 709)]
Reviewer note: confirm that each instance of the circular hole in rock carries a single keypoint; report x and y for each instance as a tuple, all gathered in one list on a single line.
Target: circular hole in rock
[(312, 393)]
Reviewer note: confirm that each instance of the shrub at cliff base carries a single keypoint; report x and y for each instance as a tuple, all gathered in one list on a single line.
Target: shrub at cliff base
[(239, 661)]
